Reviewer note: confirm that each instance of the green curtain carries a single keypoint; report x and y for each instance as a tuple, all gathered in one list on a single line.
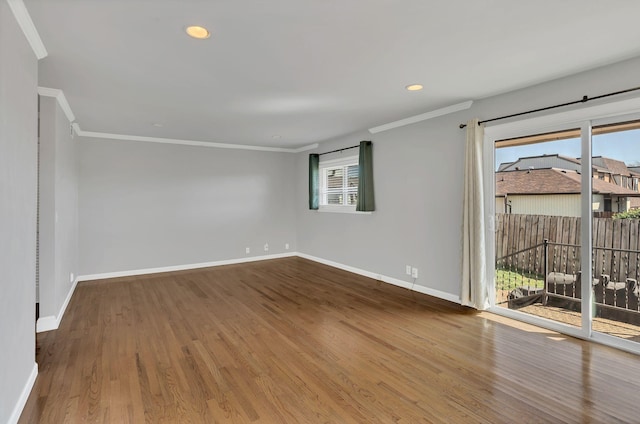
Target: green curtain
[(366, 202), (314, 181)]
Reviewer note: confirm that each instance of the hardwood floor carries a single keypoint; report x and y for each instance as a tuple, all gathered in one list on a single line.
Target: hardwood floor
[(293, 341)]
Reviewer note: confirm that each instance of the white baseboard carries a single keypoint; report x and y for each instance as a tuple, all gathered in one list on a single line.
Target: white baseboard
[(386, 279), (51, 322), (48, 323), (24, 396), (390, 280), (130, 273)]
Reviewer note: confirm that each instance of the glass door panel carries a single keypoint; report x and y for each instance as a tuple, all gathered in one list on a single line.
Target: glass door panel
[(538, 217), (616, 229)]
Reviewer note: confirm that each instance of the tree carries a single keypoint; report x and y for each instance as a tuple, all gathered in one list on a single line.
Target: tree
[(630, 214)]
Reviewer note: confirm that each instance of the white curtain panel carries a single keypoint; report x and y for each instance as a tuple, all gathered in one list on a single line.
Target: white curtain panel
[(474, 291)]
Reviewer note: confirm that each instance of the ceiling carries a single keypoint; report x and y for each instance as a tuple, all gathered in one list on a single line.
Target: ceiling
[(287, 73)]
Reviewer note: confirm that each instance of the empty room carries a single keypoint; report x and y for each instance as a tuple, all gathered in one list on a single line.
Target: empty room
[(319, 211)]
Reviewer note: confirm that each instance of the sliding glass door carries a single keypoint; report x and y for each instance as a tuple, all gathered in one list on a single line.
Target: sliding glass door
[(538, 188), (564, 202)]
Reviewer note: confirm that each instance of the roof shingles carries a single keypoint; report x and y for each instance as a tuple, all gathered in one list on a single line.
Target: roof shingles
[(552, 181)]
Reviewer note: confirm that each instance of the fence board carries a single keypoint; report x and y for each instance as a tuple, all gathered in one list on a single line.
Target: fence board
[(634, 261), (599, 241), (573, 255), (516, 232), (625, 231), (615, 255)]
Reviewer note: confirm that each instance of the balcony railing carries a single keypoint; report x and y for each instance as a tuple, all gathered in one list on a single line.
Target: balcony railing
[(549, 273)]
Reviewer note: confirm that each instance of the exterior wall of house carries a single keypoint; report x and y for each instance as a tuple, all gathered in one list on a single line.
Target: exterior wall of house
[(555, 204), (598, 203), (548, 204)]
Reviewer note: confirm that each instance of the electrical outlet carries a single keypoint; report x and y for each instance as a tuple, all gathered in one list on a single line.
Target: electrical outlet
[(408, 270), (266, 247), (71, 277), (414, 272), (286, 246), (247, 250)]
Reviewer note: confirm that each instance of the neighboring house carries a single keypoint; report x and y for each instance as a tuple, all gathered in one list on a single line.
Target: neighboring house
[(554, 191), (543, 161), (618, 170), (603, 168)]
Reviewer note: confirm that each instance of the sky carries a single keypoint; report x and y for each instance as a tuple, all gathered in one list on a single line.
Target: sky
[(622, 145)]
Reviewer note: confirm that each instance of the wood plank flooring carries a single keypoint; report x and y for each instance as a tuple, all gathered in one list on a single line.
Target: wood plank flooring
[(293, 341)]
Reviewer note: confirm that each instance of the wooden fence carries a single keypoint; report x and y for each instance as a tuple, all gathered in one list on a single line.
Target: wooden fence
[(616, 244)]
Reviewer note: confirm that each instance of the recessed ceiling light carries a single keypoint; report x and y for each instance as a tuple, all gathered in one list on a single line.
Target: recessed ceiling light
[(275, 137), (414, 87), (157, 124), (198, 32)]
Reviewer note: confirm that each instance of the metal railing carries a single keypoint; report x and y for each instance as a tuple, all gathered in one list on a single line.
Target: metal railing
[(549, 273)]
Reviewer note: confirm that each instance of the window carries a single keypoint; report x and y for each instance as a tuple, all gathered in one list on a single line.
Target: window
[(339, 184)]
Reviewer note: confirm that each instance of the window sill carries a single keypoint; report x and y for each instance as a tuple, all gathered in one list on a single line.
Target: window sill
[(341, 210)]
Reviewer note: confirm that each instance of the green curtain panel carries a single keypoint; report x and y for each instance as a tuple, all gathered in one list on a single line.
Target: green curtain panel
[(366, 202), (314, 181)]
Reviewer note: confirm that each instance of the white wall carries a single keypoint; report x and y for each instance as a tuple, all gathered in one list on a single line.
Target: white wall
[(58, 212), (418, 171), (18, 150), (149, 205)]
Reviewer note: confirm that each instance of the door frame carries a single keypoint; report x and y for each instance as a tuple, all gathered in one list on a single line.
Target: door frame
[(584, 118)]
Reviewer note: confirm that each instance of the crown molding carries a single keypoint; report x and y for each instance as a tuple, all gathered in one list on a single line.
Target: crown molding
[(305, 148), (28, 28), (422, 117), (127, 137), (64, 105), (62, 100)]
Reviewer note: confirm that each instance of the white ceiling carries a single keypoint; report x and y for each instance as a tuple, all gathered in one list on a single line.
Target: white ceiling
[(309, 70)]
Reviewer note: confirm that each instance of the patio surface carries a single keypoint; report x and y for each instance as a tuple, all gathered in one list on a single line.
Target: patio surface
[(601, 325)]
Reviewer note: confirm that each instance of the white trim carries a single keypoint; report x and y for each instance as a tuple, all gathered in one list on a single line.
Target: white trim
[(586, 228), (28, 28), (144, 271), (62, 101), (127, 137), (305, 148), (24, 395), (389, 280), (64, 105), (48, 323), (52, 322), (422, 117), (341, 209)]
